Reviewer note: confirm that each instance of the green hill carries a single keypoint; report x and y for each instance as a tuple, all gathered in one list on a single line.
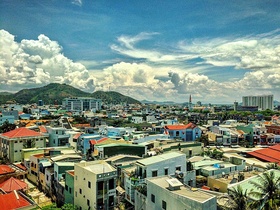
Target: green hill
[(55, 93)]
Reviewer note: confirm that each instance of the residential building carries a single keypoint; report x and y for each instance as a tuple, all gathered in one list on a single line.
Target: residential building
[(254, 133), (95, 185), (263, 102), (169, 193), (16, 200), (82, 104), (171, 163), (69, 187), (57, 136), (12, 142), (188, 132)]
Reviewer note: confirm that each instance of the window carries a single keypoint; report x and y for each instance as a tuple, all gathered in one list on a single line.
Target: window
[(164, 205), (70, 190), (178, 168), (88, 203), (111, 184), (89, 184), (81, 191), (166, 171), (66, 187), (154, 173), (153, 198)]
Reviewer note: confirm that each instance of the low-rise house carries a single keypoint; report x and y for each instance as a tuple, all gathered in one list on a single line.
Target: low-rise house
[(57, 136), (95, 185), (69, 187), (188, 132), (169, 193), (16, 200), (171, 163), (12, 142)]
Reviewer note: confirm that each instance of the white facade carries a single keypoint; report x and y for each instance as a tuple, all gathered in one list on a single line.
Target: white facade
[(94, 185), (168, 194), (166, 164), (263, 102), (82, 104), (137, 120)]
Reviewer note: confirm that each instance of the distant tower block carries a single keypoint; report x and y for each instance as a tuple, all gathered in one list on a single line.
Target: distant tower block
[(235, 105), (190, 102)]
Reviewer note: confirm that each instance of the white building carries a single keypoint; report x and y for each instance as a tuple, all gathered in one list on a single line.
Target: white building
[(263, 102), (12, 142), (171, 163), (82, 104), (95, 185), (169, 193)]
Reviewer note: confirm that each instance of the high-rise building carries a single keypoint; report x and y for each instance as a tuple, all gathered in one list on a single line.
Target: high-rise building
[(81, 104), (263, 101)]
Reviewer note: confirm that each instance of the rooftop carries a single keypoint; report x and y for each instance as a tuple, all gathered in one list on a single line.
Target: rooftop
[(190, 193), (96, 167), (160, 158), (21, 132)]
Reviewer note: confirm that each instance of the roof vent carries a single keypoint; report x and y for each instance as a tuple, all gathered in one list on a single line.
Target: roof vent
[(174, 184)]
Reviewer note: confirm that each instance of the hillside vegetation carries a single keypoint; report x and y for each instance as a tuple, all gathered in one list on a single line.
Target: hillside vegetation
[(54, 94)]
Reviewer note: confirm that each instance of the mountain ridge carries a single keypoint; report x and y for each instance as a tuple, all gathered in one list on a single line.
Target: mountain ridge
[(54, 93)]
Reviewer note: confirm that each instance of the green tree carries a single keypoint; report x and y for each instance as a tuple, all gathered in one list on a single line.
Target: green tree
[(272, 166), (267, 191), (6, 127), (238, 199)]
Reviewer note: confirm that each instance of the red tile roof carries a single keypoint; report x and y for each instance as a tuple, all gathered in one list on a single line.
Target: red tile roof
[(93, 142), (180, 127), (5, 169), (270, 154), (71, 172), (21, 166), (77, 135), (21, 132), (13, 200), (13, 184), (43, 129)]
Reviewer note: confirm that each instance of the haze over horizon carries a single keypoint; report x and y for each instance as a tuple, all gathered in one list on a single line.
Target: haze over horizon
[(149, 50)]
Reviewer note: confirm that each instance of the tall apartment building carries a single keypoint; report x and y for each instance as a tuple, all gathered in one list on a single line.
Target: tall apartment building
[(81, 104), (95, 185), (263, 101)]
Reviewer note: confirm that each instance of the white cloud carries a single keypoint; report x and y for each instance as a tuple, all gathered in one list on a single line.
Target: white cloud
[(31, 63), (78, 2)]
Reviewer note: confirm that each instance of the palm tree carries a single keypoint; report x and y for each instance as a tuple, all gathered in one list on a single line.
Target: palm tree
[(272, 166), (236, 199), (267, 191)]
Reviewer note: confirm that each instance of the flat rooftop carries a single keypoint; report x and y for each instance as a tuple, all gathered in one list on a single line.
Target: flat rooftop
[(190, 193), (97, 167), (160, 158)]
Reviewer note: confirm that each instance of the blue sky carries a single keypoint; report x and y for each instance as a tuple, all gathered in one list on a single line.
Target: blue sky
[(217, 51)]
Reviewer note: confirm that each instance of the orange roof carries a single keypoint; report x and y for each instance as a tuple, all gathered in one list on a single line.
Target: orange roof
[(5, 169), (39, 155), (270, 154), (77, 136), (180, 127), (21, 132), (93, 142), (21, 166), (13, 184), (13, 200), (71, 172), (43, 129)]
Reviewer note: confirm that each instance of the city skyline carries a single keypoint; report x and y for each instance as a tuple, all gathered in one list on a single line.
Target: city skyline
[(149, 50)]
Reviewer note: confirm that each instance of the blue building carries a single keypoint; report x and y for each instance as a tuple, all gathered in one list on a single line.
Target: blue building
[(189, 132)]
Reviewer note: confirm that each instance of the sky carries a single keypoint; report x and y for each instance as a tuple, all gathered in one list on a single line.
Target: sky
[(216, 51)]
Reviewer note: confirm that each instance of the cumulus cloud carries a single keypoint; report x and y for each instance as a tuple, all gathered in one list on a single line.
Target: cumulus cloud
[(33, 63), (39, 62)]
